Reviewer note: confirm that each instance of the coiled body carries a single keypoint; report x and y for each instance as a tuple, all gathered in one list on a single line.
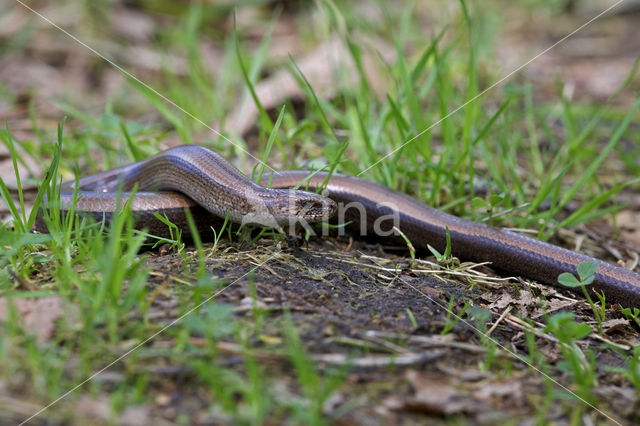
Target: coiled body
[(200, 179)]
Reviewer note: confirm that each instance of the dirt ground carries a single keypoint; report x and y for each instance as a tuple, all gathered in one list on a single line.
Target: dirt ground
[(349, 302)]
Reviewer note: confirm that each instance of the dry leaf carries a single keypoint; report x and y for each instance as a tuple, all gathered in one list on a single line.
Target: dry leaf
[(524, 301), (628, 222), (499, 389), (438, 395), (132, 24), (99, 409), (37, 315), (28, 168), (614, 324), (329, 69), (504, 301), (552, 305), (431, 292)]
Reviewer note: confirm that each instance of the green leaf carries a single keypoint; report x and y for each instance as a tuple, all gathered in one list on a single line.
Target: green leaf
[(577, 330), (20, 239), (435, 252), (479, 315), (479, 203), (588, 280), (496, 199), (568, 280), (447, 250), (565, 328), (586, 270)]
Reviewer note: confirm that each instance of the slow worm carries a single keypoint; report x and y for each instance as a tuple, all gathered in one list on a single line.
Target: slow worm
[(198, 178)]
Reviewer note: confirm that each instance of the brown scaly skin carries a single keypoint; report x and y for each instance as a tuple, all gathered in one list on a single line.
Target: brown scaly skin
[(211, 186)]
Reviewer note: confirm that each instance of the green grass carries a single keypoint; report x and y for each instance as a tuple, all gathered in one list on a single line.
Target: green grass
[(502, 158)]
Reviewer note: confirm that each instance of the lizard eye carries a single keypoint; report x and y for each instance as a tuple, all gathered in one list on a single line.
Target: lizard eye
[(306, 206), (315, 207)]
